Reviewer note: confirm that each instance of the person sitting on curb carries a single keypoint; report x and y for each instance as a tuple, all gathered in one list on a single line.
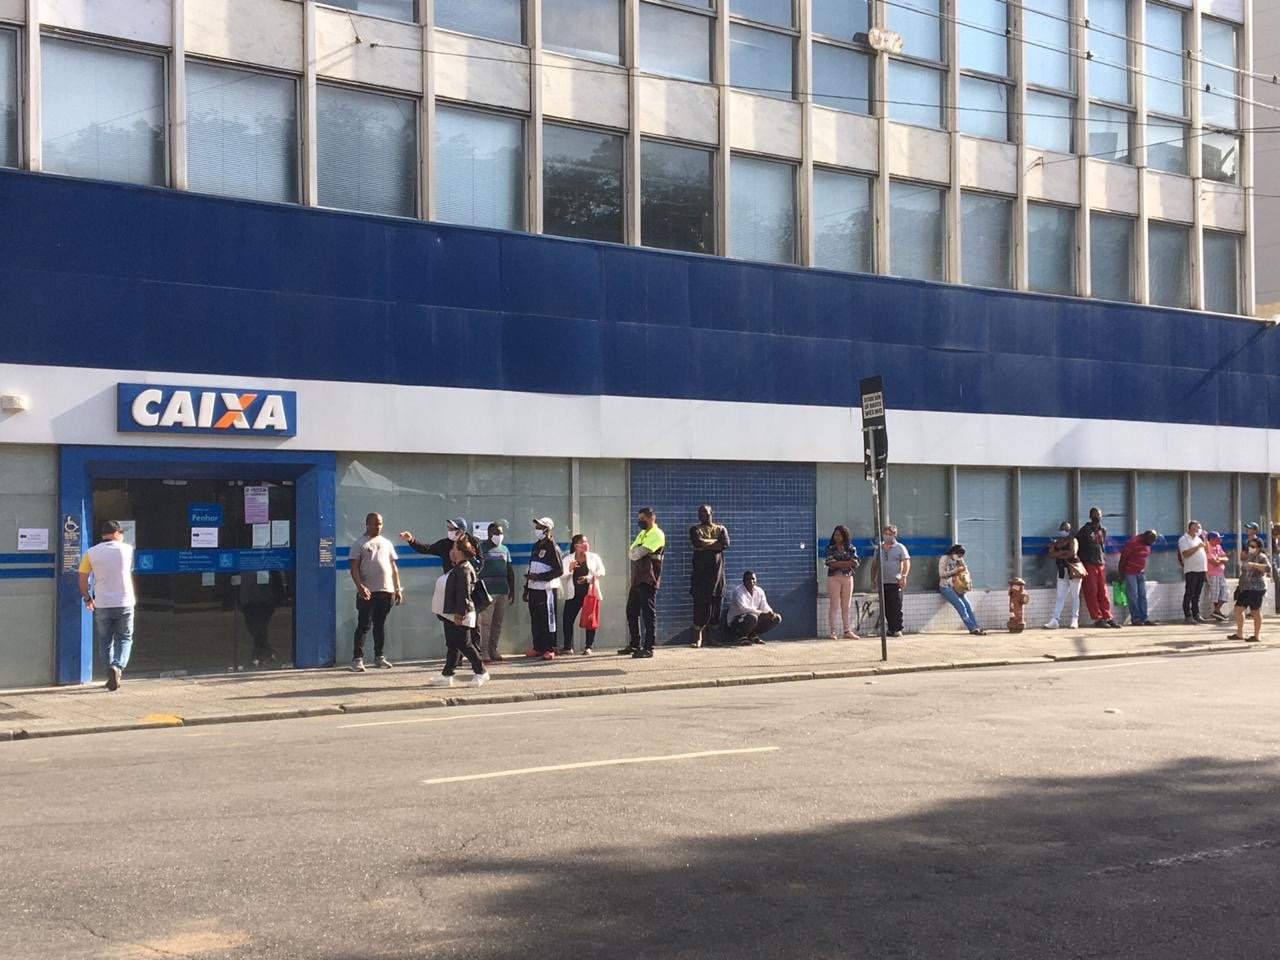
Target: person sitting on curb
[(749, 612)]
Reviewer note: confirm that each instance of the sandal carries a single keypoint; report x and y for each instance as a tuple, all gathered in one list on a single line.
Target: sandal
[(1234, 636), (1254, 639)]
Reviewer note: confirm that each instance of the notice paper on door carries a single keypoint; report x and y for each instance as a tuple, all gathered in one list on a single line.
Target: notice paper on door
[(280, 533), (261, 535), (204, 537), (33, 538), (207, 580), (256, 505), (129, 530)]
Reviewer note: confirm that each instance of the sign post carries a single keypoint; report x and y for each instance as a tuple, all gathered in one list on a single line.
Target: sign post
[(875, 462)]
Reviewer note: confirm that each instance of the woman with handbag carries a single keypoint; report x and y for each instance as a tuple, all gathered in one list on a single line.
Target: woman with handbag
[(458, 611), (583, 570), (1064, 550), (954, 582)]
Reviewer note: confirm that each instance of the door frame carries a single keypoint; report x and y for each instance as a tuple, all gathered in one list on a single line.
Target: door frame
[(315, 495)]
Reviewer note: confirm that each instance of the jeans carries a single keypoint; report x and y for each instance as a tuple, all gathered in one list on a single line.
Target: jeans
[(1191, 593), (642, 603), (961, 602), (750, 625), (1135, 584), (374, 610), (113, 631), (893, 607)]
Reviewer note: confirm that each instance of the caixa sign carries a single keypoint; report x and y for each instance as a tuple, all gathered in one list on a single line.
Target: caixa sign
[(218, 411)]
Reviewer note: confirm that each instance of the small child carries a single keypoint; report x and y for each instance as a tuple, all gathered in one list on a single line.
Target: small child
[(1217, 580)]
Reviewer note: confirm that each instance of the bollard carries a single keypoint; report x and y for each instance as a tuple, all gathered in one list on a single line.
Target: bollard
[(1018, 599)]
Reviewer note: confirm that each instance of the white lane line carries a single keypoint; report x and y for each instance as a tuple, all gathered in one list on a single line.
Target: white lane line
[(464, 716), (1144, 661), (1199, 856), (599, 763)]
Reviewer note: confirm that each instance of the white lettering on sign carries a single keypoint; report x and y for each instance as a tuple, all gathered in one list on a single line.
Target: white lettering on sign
[(873, 405), (145, 407), (272, 415), (143, 414), (180, 411)]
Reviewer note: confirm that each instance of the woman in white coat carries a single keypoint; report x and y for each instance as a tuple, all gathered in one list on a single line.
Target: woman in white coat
[(583, 570)]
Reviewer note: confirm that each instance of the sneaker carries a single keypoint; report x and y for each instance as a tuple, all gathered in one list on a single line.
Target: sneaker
[(549, 655), (587, 652), (627, 651), (440, 680), (1220, 617), (1100, 624), (357, 665), (644, 653), (478, 680), (1150, 623), (1113, 625), (697, 640), (833, 635), (850, 635), (566, 651), (384, 663), (113, 677), (1198, 619), (1187, 620), (1075, 624), (497, 658), (895, 633), (1051, 625), (757, 640)]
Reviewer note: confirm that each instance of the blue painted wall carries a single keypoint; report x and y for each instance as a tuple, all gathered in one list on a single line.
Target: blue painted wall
[(200, 284)]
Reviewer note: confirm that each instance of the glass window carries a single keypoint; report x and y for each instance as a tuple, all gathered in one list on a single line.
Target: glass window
[(778, 12), (1218, 44), (677, 197), (841, 78), (366, 151), (1253, 501), (982, 40), (405, 10), (986, 240), (1168, 252), (1046, 28), (762, 210), (496, 19), (1111, 256), (1166, 144), (1109, 134), (1048, 122), (917, 231), (1211, 503), (1220, 156), (582, 183), (1159, 508), (840, 18), (242, 133), (1044, 501), (760, 61), (480, 172), (984, 501), (1108, 78), (674, 43), (1108, 490), (920, 24), (103, 112), (1164, 68), (842, 221), (1051, 248), (1221, 272), (915, 94), (985, 108), (8, 98), (918, 503), (591, 29)]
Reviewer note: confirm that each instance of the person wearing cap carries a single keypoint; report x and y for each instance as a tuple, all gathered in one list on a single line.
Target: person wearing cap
[(646, 553), (546, 567), (1133, 568), (1216, 577), (111, 601), (1195, 565), (499, 577), (454, 529), (1251, 529)]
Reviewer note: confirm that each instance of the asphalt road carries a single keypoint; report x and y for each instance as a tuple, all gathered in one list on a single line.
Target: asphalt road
[(1108, 809)]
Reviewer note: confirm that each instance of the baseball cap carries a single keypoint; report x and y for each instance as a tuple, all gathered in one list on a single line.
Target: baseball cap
[(545, 522), (1251, 525), (458, 523), (1214, 535), (109, 527)]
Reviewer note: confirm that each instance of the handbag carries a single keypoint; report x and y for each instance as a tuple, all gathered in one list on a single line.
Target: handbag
[(590, 618), (480, 596), (1076, 570), (437, 597), (962, 583)]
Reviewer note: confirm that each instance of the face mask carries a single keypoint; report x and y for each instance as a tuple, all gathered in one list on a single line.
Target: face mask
[(539, 533), (497, 539), (453, 535), (644, 524), (1064, 532)]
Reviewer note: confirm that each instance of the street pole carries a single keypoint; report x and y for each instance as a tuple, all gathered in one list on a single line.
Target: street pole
[(870, 435)]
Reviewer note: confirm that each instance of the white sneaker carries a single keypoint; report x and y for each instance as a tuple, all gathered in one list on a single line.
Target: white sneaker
[(478, 680), (384, 663), (1051, 625), (1075, 624), (440, 681), (357, 665), (832, 636)]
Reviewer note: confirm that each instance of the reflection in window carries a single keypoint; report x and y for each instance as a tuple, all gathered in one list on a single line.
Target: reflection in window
[(842, 221), (760, 61), (1220, 154), (777, 12), (983, 44), (762, 210), (920, 24), (496, 19), (1048, 122), (841, 78), (676, 197), (1046, 28), (103, 112), (366, 151), (922, 512), (1044, 501), (915, 94), (1109, 134), (840, 18), (8, 98), (674, 43), (1219, 151), (1111, 257), (1164, 67), (1109, 26), (582, 183), (917, 231), (1051, 248), (1168, 251), (1211, 501), (1159, 508), (1166, 143), (985, 108), (479, 169), (591, 29), (1221, 272), (984, 502), (986, 240)]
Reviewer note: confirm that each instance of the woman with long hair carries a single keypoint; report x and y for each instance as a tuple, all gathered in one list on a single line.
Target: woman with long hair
[(841, 560)]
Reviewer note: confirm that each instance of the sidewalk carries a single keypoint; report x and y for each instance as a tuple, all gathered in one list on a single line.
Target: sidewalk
[(283, 694)]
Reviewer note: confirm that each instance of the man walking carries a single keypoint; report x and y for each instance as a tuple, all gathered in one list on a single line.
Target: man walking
[(1133, 567), (110, 564), (646, 553), (376, 575), (706, 580), (1193, 553), (546, 567), (750, 615), (895, 563), (1091, 541)]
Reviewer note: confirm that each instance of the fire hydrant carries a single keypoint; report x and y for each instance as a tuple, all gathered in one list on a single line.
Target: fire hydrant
[(1018, 599)]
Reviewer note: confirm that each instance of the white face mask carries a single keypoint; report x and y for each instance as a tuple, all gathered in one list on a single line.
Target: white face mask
[(538, 533), (1064, 533), (453, 534), (497, 539)]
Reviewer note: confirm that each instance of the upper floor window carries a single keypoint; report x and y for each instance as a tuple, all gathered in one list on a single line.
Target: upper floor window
[(480, 168), (840, 19), (1049, 121), (1169, 263), (1166, 129), (762, 61), (762, 210), (985, 91), (591, 29), (582, 183), (1051, 248), (843, 221), (917, 77), (8, 98), (496, 19), (1220, 143), (1221, 272), (986, 239), (366, 151), (675, 43), (406, 10), (1111, 256), (917, 231), (677, 197)]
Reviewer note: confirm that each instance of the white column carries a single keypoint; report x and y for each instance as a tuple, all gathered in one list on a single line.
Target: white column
[(32, 135), (1020, 281), (178, 97), (309, 186), (881, 94), (1142, 286), (720, 73), (1194, 163), (951, 47), (1084, 259), (1248, 288), (427, 116), (804, 90), (631, 164), (534, 138)]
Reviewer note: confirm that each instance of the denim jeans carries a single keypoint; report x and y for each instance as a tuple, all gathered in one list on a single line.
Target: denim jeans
[(113, 631), (1135, 584), (961, 602)]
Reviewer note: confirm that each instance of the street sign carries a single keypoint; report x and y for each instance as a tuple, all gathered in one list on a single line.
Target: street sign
[(875, 435)]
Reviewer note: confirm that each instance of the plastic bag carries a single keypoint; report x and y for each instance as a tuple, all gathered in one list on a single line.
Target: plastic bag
[(1119, 595)]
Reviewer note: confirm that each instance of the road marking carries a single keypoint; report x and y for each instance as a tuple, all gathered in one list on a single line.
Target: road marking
[(464, 716), (1199, 856), (599, 763), (1113, 666)]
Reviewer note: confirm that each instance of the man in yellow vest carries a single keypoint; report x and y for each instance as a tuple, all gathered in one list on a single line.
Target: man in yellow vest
[(646, 554)]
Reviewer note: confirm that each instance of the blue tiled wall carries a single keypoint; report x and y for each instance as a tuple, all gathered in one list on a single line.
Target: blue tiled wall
[(769, 510)]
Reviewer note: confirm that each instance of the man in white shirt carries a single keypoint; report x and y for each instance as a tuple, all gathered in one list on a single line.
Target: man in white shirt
[(110, 564), (1193, 553), (749, 612), (377, 578)]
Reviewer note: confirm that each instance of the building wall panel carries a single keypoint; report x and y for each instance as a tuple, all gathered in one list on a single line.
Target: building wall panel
[(220, 28), (764, 125), (595, 94), (481, 71), (845, 140), (378, 58), (679, 110), (919, 154), (146, 21)]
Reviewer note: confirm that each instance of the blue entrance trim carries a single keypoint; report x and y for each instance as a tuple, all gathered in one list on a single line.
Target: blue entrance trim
[(315, 488)]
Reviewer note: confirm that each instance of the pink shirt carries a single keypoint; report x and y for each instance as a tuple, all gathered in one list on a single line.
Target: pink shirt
[(1217, 558)]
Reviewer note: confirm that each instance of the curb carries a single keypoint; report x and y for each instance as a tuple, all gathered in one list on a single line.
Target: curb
[(428, 703)]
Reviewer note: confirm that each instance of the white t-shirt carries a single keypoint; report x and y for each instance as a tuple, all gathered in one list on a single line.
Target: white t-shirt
[(375, 555), (1198, 562), (110, 562)]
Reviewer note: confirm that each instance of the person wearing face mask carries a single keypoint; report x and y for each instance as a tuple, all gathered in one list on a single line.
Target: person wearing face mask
[(583, 570), (646, 553), (706, 578), (1251, 589), (1062, 549), (1091, 546), (895, 563), (455, 530), (499, 577), (546, 567)]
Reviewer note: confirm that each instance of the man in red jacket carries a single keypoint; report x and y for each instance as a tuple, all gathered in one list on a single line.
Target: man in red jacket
[(1133, 567)]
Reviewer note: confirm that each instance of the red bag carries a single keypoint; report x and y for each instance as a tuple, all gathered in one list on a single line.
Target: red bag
[(590, 618)]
